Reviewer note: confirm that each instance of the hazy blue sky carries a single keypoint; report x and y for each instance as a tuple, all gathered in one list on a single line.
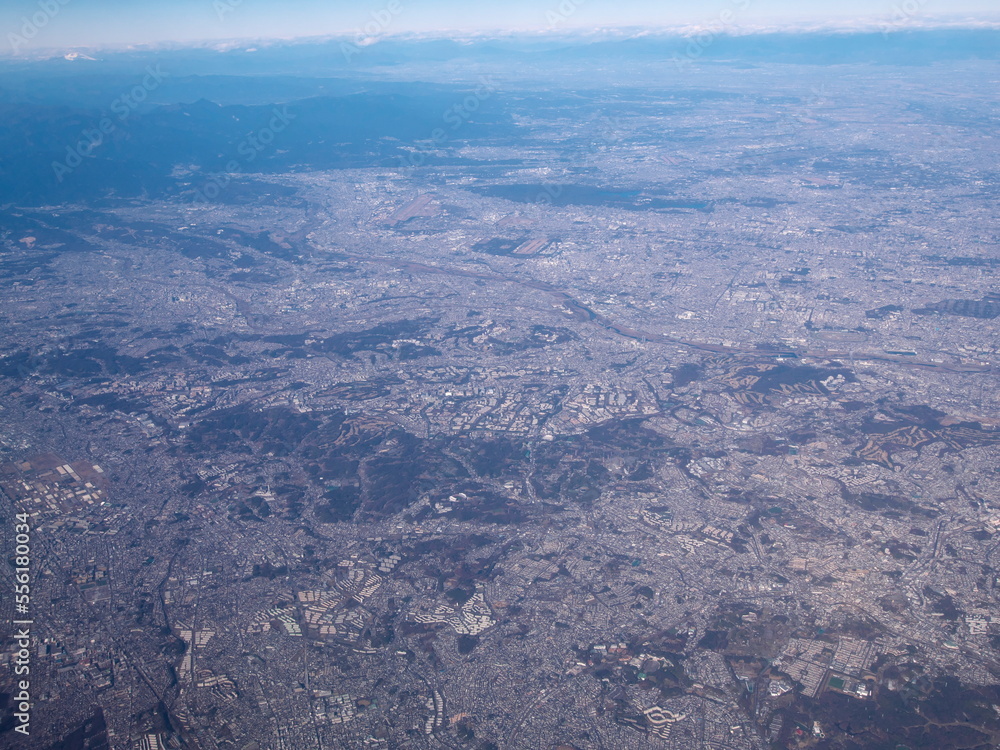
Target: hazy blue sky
[(63, 23)]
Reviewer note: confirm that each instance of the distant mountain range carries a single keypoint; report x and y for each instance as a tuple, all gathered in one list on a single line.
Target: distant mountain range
[(90, 126)]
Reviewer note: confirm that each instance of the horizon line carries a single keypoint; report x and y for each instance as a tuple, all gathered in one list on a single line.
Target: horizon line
[(887, 27)]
